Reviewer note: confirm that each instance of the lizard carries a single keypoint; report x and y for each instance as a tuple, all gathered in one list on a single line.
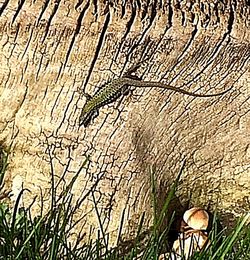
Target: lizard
[(116, 88)]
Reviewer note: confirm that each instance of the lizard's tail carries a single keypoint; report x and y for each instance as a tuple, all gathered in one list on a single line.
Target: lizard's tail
[(156, 84)]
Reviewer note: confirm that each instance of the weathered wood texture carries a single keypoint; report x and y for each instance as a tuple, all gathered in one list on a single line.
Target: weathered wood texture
[(50, 51)]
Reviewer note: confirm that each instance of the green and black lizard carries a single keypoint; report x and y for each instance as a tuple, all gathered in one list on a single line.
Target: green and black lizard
[(118, 87)]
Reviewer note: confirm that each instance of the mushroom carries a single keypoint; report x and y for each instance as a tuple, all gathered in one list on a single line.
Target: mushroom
[(196, 218), (190, 242)]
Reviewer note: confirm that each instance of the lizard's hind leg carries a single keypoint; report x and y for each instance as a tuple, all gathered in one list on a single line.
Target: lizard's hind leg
[(133, 69), (129, 92), (126, 91)]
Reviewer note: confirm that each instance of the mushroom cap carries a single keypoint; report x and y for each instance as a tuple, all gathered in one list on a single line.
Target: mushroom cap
[(196, 218)]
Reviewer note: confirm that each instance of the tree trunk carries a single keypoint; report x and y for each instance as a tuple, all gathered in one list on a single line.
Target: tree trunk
[(52, 51)]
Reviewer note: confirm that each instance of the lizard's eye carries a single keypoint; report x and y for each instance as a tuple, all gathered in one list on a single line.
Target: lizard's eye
[(95, 113), (85, 119)]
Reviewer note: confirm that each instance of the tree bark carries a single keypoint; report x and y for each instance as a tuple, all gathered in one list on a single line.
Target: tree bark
[(52, 51)]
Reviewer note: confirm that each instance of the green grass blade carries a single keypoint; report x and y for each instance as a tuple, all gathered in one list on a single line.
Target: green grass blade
[(28, 239), (228, 244)]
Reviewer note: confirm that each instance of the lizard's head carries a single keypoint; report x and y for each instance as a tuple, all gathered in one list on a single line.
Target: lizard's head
[(86, 117)]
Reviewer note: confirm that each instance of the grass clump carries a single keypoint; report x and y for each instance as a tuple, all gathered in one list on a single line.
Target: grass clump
[(47, 236)]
